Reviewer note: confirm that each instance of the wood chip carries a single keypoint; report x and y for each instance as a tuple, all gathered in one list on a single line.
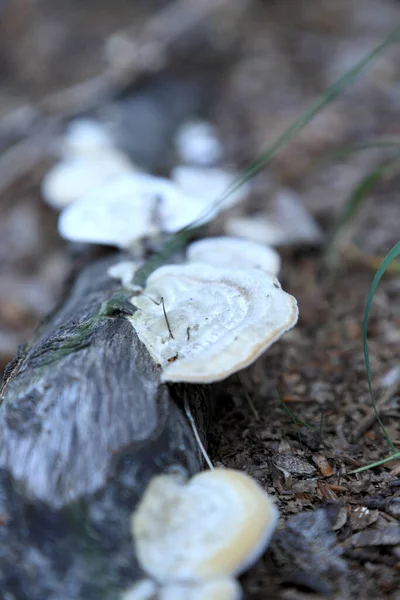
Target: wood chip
[(323, 465), (386, 536), (293, 464), (361, 517)]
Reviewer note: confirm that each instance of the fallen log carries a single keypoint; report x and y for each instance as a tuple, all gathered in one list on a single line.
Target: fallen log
[(85, 424)]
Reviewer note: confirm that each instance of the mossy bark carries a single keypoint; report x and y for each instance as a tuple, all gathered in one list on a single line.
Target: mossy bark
[(85, 424)]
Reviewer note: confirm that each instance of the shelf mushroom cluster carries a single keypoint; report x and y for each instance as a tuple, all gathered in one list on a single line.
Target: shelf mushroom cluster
[(194, 537), (216, 314), (287, 223), (105, 199)]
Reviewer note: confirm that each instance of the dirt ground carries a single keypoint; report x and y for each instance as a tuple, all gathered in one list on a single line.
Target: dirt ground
[(251, 67)]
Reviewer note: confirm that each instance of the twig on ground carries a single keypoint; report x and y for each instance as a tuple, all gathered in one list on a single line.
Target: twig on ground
[(196, 433), (249, 399), (352, 253), (369, 420)]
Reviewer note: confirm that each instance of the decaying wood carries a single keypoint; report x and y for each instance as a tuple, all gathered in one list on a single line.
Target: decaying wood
[(84, 425)]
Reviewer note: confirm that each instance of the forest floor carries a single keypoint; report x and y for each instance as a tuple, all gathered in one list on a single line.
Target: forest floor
[(300, 420)]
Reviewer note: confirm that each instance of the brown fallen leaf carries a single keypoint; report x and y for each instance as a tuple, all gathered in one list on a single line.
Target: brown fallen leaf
[(362, 517), (324, 491), (385, 536), (325, 468), (335, 487)]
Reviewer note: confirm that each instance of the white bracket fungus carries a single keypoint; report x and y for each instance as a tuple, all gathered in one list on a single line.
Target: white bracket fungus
[(89, 159), (70, 179), (235, 253), (126, 209), (213, 322), (214, 526), (219, 589), (107, 201), (116, 214), (85, 136), (125, 271), (130, 207), (196, 143), (143, 590), (287, 223), (209, 186)]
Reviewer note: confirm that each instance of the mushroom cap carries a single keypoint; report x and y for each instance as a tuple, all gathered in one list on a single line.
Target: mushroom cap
[(86, 136), (209, 186), (124, 270), (236, 253), (197, 143), (74, 177), (221, 319), (116, 214), (287, 223), (143, 590), (130, 206), (258, 228), (215, 525), (218, 589)]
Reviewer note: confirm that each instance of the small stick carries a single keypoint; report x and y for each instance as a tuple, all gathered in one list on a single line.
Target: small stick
[(166, 318), (369, 420), (196, 433), (164, 311), (248, 398)]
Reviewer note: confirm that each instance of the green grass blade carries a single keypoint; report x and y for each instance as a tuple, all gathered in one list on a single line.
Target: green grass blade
[(319, 104), (342, 154), (170, 247), (358, 196), (291, 415), (181, 237), (391, 255), (377, 463)]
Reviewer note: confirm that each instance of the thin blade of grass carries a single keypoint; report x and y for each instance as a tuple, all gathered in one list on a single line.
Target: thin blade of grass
[(171, 246), (377, 463), (390, 256), (342, 154), (353, 253), (292, 416), (356, 199), (181, 237)]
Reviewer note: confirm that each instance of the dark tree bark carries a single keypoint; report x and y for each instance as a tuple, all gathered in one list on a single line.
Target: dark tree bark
[(84, 426)]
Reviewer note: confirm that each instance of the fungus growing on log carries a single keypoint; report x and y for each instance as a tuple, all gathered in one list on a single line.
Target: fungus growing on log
[(70, 179), (117, 214), (196, 143), (234, 252), (213, 321), (287, 223), (215, 525), (89, 159), (218, 589), (102, 195), (85, 136), (136, 205), (209, 186), (124, 271)]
